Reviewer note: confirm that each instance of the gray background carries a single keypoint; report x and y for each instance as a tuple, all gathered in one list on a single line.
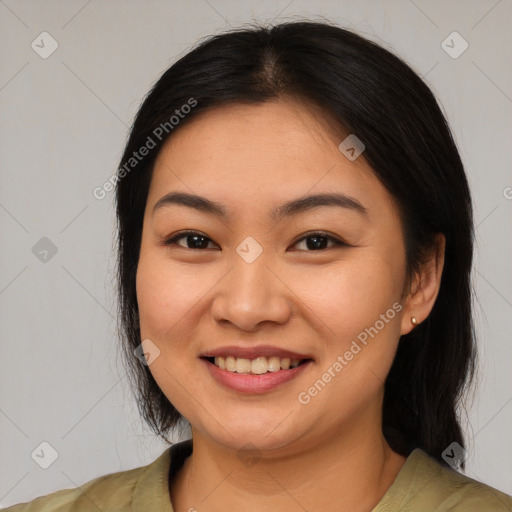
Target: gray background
[(64, 120)]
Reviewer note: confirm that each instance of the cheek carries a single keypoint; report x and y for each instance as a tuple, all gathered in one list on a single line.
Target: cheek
[(350, 296), (167, 298), (358, 305), (165, 295)]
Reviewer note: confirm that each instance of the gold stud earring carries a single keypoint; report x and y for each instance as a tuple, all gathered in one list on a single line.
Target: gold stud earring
[(413, 320)]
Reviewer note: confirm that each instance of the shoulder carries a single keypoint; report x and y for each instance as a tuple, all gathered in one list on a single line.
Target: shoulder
[(115, 491), (424, 484)]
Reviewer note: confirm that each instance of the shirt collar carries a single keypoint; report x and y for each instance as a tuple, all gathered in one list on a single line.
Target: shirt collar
[(151, 491)]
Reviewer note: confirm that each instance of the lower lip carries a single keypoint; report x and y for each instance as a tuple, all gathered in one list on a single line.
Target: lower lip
[(249, 383)]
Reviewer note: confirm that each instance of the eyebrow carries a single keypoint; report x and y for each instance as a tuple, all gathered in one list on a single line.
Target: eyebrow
[(293, 207)]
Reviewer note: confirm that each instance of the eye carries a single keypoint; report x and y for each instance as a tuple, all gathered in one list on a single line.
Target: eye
[(314, 242), (194, 240), (317, 241)]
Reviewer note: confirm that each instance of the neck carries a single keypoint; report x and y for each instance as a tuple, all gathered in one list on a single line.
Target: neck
[(346, 471)]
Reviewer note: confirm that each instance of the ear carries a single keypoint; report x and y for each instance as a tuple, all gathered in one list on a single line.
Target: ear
[(424, 287)]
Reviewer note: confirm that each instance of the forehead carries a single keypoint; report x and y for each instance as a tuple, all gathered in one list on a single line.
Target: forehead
[(247, 155)]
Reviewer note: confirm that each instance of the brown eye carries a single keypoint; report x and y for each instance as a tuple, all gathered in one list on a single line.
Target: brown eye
[(194, 240), (318, 241)]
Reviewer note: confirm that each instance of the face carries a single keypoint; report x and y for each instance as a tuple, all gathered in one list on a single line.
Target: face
[(320, 281)]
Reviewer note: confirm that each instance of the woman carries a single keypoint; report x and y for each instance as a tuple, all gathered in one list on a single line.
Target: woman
[(295, 245)]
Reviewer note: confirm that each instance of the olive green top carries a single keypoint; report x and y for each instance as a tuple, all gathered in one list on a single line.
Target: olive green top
[(422, 485)]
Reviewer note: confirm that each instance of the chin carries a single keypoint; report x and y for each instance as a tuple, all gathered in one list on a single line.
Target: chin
[(266, 433)]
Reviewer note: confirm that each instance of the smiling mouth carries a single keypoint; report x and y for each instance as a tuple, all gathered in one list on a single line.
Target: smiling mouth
[(257, 366)]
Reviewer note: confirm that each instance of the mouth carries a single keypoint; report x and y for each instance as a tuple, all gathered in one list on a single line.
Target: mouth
[(256, 370), (257, 366)]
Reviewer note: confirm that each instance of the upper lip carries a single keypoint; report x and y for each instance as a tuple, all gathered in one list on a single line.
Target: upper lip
[(253, 352)]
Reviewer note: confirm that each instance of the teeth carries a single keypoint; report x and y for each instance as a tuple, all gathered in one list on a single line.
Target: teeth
[(259, 365), (230, 363), (273, 364), (256, 366), (243, 365)]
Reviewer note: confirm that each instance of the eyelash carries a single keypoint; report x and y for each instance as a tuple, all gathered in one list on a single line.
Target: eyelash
[(314, 234)]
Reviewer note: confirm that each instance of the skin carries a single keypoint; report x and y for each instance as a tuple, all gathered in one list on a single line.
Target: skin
[(329, 454)]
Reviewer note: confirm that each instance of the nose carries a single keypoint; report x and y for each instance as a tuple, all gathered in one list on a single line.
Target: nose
[(251, 294)]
